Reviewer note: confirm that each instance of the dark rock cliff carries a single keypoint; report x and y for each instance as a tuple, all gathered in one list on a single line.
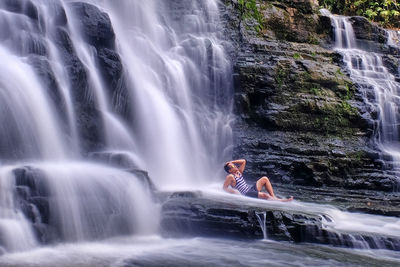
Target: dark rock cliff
[(301, 120)]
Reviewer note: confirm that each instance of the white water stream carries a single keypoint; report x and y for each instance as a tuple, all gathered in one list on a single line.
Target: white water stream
[(367, 68), (177, 81)]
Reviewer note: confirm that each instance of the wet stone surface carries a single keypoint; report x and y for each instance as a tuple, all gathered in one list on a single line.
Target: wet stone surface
[(191, 214)]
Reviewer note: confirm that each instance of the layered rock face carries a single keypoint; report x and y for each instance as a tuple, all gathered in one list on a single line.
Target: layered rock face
[(302, 120)]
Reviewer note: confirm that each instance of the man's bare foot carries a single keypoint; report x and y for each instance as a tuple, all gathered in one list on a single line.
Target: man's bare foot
[(283, 200), (288, 199)]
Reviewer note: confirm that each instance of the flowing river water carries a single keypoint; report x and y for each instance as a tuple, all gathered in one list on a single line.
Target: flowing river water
[(70, 193)]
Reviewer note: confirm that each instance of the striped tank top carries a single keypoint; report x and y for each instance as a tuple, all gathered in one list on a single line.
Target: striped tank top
[(241, 184)]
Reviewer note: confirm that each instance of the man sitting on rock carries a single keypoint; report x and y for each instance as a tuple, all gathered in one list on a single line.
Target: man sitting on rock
[(239, 186)]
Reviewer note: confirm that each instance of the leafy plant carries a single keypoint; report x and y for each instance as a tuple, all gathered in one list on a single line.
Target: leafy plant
[(339, 72), (249, 9), (386, 12), (281, 75), (297, 56), (315, 91)]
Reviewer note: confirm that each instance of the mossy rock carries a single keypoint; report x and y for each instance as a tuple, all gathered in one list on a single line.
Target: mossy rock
[(290, 21), (318, 78)]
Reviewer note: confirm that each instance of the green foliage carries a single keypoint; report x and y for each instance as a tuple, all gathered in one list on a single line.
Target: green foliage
[(313, 39), (339, 72), (386, 12), (297, 56), (346, 108), (315, 91), (249, 9), (281, 75), (358, 155), (349, 93)]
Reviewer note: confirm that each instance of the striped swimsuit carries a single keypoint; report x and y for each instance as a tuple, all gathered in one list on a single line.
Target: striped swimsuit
[(244, 188), (241, 184)]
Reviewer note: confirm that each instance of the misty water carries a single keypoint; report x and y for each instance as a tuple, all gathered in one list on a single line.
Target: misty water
[(70, 147)]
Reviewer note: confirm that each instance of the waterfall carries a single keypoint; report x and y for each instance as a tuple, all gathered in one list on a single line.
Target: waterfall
[(89, 91), (262, 219), (393, 38), (181, 81), (28, 130), (367, 69), (15, 232)]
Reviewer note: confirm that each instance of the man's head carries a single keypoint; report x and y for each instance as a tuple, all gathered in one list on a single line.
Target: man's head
[(230, 167)]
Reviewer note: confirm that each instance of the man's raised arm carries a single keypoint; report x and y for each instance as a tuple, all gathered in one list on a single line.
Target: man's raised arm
[(241, 164)]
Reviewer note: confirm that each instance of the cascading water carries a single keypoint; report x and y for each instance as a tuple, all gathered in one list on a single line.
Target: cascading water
[(28, 130), (181, 81), (262, 218), (143, 81), (367, 69), (15, 230), (393, 38)]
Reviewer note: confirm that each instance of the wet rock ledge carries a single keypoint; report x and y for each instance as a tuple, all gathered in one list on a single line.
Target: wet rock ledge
[(192, 214)]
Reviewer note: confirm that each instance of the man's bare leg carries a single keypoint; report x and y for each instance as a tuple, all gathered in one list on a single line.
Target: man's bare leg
[(264, 182)]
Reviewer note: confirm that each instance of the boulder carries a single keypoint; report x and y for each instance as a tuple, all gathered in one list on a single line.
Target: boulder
[(97, 30), (290, 21), (365, 30), (111, 67), (89, 122), (114, 158), (43, 69), (33, 197), (95, 24)]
